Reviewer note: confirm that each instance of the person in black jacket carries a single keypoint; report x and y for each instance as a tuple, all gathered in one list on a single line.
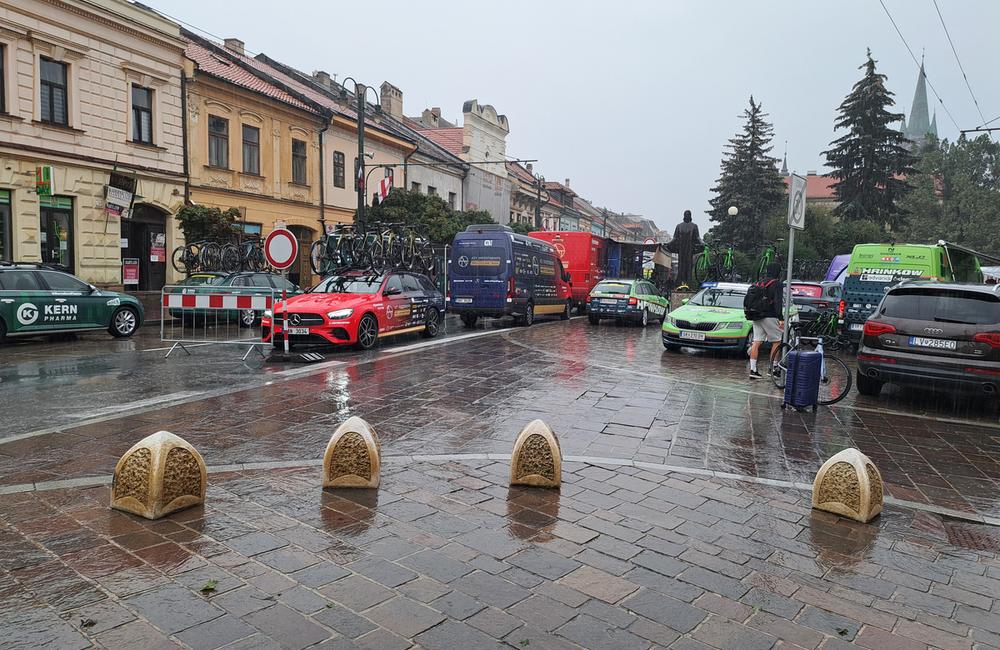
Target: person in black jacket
[(770, 326)]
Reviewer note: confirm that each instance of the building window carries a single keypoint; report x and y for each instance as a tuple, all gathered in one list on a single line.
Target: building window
[(6, 240), (55, 107), (338, 169), (432, 191), (251, 150), (3, 88), (299, 162), (452, 197), (56, 222), (218, 142), (415, 187), (142, 115)]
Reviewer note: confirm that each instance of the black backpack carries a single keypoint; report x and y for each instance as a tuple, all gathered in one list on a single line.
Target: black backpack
[(757, 304)]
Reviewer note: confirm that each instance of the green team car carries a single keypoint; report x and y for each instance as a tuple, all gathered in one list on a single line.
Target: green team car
[(36, 299), (633, 300), (712, 319)]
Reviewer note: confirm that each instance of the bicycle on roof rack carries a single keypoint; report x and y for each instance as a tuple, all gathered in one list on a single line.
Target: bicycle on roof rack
[(768, 256), (715, 264)]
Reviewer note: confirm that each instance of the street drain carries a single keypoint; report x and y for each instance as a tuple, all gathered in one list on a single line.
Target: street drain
[(973, 537)]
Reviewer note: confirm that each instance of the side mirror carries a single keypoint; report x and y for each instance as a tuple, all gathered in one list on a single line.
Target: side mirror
[(93, 289), (391, 292), (685, 301)]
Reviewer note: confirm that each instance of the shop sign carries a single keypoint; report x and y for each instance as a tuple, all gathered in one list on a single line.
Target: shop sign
[(157, 247), (119, 194), (130, 270), (43, 180)]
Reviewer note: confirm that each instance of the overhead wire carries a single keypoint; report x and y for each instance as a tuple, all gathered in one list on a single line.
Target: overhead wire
[(958, 60), (914, 57)]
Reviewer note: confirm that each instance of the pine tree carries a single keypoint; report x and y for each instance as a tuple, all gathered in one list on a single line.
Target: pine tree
[(750, 181), (870, 161)]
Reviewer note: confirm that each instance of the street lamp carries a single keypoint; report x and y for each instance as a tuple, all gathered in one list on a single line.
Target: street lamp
[(361, 93), (733, 211), (539, 181)]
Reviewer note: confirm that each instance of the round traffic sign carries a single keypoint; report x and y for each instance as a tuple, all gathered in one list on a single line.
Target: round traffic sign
[(281, 248)]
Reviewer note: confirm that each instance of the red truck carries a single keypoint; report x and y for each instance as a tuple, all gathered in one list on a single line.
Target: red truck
[(583, 255)]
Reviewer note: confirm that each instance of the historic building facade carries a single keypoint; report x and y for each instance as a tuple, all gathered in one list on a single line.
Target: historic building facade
[(91, 96)]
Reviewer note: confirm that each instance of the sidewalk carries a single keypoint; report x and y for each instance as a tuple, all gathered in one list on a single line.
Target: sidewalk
[(445, 555)]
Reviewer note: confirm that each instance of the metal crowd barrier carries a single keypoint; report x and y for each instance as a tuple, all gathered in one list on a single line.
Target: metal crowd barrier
[(203, 315)]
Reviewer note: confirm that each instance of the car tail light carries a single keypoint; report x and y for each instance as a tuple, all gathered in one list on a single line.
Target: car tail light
[(842, 308), (873, 328), (633, 301), (510, 287), (983, 371), (990, 338), (875, 357), (588, 298)]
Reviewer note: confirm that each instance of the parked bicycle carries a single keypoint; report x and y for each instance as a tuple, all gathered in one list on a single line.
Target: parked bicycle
[(196, 256), (768, 256), (827, 325), (835, 377), (333, 252), (711, 264), (247, 255)]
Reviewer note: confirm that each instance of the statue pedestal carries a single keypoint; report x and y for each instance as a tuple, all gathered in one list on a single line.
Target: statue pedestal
[(677, 297)]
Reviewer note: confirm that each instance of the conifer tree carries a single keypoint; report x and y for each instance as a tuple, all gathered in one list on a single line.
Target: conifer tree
[(870, 161), (750, 181)]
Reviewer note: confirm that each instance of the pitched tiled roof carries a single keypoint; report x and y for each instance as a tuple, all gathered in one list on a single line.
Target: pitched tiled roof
[(520, 173), (819, 187), (450, 138), (216, 65)]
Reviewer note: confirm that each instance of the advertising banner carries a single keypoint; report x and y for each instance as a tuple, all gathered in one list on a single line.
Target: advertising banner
[(130, 270), (157, 247)]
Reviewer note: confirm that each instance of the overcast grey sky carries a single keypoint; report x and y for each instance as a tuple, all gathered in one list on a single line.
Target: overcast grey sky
[(631, 100)]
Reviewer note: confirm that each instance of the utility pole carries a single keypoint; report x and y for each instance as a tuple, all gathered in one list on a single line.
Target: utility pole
[(604, 228), (538, 202), (359, 93)]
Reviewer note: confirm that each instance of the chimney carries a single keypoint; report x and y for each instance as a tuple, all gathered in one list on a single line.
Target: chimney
[(322, 77), (530, 169), (392, 100), (436, 112), (234, 45), (567, 182)]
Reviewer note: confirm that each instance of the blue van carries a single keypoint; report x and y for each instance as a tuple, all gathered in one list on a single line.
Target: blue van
[(496, 272)]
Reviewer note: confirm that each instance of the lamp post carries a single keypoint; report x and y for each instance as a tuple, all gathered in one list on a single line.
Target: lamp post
[(360, 93), (539, 180), (733, 211)]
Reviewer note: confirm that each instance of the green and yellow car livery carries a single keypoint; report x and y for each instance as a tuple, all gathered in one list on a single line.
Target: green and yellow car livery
[(633, 300)]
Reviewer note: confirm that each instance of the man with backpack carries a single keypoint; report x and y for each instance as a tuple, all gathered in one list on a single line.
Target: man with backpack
[(762, 306)]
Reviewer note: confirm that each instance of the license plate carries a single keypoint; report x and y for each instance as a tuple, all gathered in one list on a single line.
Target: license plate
[(298, 330), (857, 327), (939, 344), (693, 336), (463, 301), (608, 301)]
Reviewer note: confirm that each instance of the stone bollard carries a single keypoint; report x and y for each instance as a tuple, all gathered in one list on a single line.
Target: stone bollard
[(536, 460), (160, 474), (849, 484), (353, 457)]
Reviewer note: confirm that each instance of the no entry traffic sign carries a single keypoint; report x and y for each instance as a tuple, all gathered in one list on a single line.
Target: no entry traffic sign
[(281, 248)]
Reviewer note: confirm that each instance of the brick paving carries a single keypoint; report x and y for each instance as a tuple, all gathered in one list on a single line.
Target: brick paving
[(608, 392), (446, 555)]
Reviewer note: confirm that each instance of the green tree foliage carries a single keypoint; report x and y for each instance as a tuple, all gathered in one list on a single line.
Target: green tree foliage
[(522, 228), (750, 181), (200, 222), (869, 161), (956, 195), (429, 214), (825, 236)]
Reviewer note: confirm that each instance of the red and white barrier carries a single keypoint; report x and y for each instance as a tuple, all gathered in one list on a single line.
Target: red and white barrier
[(216, 301)]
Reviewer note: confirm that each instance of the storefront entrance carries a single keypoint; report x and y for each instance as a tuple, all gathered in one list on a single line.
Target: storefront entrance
[(144, 238), (56, 230)]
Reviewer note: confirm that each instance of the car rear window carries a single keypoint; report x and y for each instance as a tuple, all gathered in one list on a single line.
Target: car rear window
[(478, 261), (943, 306), (807, 291), (613, 287)]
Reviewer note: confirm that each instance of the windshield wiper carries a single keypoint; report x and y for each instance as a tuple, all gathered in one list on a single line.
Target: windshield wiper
[(949, 320)]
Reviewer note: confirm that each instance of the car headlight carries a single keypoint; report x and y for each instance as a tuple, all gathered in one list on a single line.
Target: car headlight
[(672, 321), (339, 313), (268, 313), (729, 326)]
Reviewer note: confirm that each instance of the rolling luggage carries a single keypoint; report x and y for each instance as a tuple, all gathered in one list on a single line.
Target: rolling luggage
[(802, 377)]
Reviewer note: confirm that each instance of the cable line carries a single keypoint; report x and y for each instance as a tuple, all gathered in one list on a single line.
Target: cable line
[(959, 61)]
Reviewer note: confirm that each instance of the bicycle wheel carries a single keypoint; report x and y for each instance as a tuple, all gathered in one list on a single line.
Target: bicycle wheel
[(230, 258), (376, 257), (836, 381), (179, 259), (702, 266), (777, 367), (317, 256), (210, 256)]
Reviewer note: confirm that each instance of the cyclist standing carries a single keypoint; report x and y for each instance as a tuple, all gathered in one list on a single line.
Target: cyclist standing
[(763, 307)]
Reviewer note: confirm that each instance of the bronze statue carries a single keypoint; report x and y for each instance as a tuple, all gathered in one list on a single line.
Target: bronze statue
[(686, 237)]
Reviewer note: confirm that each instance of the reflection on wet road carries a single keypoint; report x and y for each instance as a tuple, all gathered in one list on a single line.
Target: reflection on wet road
[(608, 391)]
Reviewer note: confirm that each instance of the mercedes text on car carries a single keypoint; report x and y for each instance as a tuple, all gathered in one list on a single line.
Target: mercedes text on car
[(356, 309)]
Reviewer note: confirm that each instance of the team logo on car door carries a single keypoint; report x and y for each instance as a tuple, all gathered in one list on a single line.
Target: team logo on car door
[(27, 314)]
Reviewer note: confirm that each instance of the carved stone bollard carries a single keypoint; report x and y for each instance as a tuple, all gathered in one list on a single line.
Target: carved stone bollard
[(849, 484), (160, 474), (353, 457), (537, 460)]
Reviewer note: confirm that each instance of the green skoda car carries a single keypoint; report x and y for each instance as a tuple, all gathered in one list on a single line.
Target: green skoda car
[(632, 300), (37, 299)]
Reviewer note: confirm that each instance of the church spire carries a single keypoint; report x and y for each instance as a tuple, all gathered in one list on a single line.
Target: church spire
[(933, 130), (919, 124), (784, 161)]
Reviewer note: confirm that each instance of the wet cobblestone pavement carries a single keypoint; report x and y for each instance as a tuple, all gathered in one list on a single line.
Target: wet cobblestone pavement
[(608, 392), (445, 555)]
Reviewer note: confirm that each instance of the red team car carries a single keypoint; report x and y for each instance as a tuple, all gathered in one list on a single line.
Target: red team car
[(357, 308)]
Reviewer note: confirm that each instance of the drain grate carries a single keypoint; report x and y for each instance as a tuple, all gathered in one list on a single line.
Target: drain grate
[(972, 536)]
